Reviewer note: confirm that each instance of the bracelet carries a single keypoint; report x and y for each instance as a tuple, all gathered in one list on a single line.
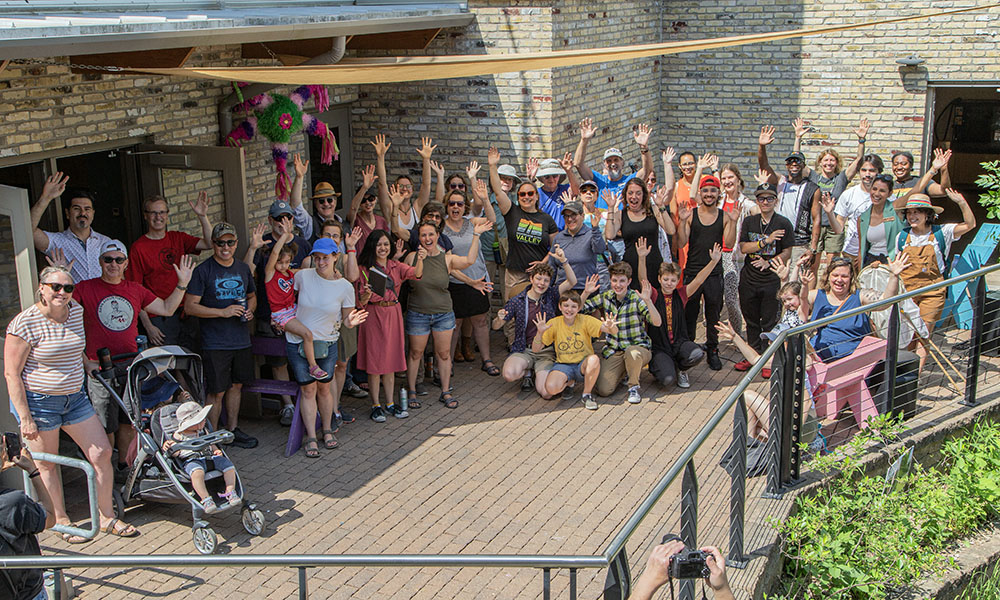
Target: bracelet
[(33, 474), (350, 250), (182, 287), (862, 140)]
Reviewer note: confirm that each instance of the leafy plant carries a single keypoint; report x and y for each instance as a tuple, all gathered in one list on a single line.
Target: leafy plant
[(985, 586), (990, 181)]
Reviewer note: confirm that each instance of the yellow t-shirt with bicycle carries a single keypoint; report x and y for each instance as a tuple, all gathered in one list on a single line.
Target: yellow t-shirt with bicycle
[(572, 342)]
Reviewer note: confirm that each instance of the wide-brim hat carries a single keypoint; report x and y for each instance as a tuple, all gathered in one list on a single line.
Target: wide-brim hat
[(922, 201), (508, 171), (190, 414), (324, 190), (550, 166)]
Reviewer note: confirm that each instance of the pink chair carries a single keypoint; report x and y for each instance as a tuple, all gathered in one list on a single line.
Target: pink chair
[(843, 382)]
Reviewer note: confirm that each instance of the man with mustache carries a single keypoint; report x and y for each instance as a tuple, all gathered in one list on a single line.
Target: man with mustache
[(614, 161), (78, 243)]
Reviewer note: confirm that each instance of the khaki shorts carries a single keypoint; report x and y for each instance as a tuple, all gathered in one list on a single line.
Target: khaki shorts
[(830, 242), (538, 361)]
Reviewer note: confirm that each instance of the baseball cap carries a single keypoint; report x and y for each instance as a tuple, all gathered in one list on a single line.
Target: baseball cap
[(549, 166), (796, 156), (222, 229), (766, 189), (613, 152), (710, 181), (508, 171), (575, 206), (324, 190), (589, 183), (113, 246), (278, 208), (325, 246)]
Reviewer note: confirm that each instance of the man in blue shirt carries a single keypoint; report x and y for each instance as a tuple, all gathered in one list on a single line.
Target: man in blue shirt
[(550, 173), (614, 161)]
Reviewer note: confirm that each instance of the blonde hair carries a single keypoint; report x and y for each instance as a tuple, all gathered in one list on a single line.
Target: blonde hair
[(44, 275), (834, 154)]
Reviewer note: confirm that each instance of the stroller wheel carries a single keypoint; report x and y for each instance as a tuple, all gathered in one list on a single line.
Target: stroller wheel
[(253, 521), (118, 503), (205, 540)]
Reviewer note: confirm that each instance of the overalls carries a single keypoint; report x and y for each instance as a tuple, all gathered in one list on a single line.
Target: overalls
[(923, 271)]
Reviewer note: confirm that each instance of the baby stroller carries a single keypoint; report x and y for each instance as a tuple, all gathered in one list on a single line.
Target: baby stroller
[(151, 385)]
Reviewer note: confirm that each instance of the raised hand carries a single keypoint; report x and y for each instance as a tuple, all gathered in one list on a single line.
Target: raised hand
[(400, 249), (684, 211), (541, 323), (587, 129), (898, 264), (780, 268), (426, 148), (955, 196), (610, 324), (642, 248), (592, 284), (368, 176), (713, 162), (483, 286), (356, 317), (567, 162), (421, 253), (502, 314), (57, 258), (761, 177), (395, 195), (482, 227), (715, 253), (827, 202), (55, 185), (481, 189), (705, 162), (558, 253), (766, 135), (566, 197), (646, 291), (257, 236), (641, 134), (532, 168), (437, 168), (351, 239), (184, 270), (200, 207), (941, 158), (493, 156), (300, 167), (807, 277), (775, 235), (799, 124), (862, 129), (613, 200), (661, 196), (381, 146), (668, 155), (726, 331), (472, 170)]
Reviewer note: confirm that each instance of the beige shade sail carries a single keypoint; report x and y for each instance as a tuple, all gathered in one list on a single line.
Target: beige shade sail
[(420, 68)]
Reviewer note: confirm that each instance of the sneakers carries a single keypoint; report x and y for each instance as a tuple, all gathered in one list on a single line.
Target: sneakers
[(421, 389), (352, 390), (232, 500), (588, 402), (377, 415), (713, 360), (397, 411), (682, 380), (343, 417), (633, 395), (568, 392), (242, 440), (765, 373), (209, 506), (528, 383), (287, 414), (743, 365)]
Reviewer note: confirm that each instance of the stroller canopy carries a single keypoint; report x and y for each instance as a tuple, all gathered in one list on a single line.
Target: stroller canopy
[(153, 377)]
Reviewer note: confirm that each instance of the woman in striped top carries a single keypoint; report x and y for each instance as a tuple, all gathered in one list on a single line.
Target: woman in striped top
[(43, 366)]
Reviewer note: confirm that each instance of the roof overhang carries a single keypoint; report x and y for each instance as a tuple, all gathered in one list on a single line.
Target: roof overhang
[(68, 34)]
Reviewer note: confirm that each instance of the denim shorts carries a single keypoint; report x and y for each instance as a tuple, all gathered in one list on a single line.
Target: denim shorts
[(421, 324), (298, 366), (53, 412), (222, 464), (573, 372)]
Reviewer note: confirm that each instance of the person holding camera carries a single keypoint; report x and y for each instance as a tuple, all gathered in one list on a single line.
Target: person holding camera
[(21, 520), (658, 571)]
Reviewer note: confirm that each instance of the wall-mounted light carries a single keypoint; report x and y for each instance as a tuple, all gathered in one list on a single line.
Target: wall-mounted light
[(910, 61)]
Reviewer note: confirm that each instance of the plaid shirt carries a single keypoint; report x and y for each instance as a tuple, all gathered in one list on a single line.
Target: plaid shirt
[(631, 316)]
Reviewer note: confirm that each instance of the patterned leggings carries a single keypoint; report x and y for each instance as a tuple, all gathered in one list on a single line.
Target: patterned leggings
[(731, 293)]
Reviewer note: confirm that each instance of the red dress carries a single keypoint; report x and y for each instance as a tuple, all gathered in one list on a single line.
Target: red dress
[(380, 337), (380, 223)]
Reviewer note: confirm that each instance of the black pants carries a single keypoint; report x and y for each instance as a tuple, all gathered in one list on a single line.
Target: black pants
[(712, 292), (761, 309), (664, 366)]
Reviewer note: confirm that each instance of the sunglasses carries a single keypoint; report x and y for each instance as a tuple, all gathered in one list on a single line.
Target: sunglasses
[(284, 217), (883, 178), (113, 259), (529, 194), (840, 260), (224, 243), (456, 186), (367, 199), (59, 287), (456, 203), (330, 200)]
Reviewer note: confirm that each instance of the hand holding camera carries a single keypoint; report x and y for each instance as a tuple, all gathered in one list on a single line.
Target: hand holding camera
[(672, 560)]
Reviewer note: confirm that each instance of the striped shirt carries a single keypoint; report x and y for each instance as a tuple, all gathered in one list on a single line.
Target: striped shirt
[(55, 360), (85, 255)]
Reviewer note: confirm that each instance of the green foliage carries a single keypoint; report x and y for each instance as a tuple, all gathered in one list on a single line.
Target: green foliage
[(985, 586), (861, 538), (990, 181)]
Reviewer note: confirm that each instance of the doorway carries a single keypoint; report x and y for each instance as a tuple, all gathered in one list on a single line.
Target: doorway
[(341, 172)]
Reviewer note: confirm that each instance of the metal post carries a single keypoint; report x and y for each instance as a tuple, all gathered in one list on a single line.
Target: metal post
[(572, 584), (737, 486), (57, 581), (773, 489), (546, 584), (689, 521), (303, 585), (978, 319), (794, 408), (891, 362)]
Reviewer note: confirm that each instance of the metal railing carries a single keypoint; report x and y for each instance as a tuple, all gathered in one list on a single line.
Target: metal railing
[(785, 423)]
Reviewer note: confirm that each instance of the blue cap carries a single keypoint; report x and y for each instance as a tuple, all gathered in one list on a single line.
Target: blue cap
[(325, 246), (278, 208)]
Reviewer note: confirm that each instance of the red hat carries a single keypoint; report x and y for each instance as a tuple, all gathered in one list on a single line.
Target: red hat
[(710, 181)]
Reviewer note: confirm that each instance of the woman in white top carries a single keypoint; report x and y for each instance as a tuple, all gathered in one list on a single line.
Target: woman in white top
[(43, 366), (401, 209)]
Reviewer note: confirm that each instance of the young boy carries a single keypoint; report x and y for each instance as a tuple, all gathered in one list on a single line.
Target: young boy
[(190, 423), (279, 282), (571, 336), (628, 351)]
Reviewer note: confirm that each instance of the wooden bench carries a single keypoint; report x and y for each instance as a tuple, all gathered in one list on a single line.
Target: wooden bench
[(275, 346), (843, 382)]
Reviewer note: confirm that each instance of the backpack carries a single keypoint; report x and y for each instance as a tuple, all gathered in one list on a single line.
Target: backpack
[(938, 232)]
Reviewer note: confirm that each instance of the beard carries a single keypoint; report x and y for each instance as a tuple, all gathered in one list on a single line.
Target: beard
[(614, 172)]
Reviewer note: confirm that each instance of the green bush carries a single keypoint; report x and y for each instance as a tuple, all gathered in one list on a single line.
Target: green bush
[(863, 538), (990, 181)]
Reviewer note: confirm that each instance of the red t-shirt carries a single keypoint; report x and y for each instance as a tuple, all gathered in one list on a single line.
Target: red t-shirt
[(280, 291), (151, 262), (111, 314)]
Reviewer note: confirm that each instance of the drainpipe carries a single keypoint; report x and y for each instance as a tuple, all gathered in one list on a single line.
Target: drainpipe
[(227, 104)]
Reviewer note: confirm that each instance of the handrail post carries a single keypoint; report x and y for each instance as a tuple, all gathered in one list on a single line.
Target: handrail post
[(737, 487), (978, 319), (689, 521), (572, 584), (546, 584), (57, 581), (793, 409), (774, 427), (891, 362), (303, 584)]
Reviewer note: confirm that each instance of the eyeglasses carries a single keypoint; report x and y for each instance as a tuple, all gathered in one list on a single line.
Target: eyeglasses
[(158, 213), (528, 194), (405, 187), (457, 203), (59, 287), (113, 259), (330, 200), (224, 243), (767, 199), (456, 186), (430, 216)]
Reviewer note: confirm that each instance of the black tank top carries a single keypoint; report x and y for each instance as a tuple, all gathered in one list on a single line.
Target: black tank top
[(700, 243)]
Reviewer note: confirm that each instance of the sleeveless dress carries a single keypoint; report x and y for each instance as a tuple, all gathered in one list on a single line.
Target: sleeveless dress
[(840, 338), (631, 231)]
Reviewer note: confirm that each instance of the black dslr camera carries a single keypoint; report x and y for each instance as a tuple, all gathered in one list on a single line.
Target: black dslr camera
[(688, 564)]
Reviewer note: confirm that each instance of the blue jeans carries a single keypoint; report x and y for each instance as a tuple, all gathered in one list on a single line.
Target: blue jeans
[(421, 324), (52, 412), (222, 464), (298, 366), (573, 372)]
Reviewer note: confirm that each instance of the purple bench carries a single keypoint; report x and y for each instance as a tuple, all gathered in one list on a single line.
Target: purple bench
[(270, 346)]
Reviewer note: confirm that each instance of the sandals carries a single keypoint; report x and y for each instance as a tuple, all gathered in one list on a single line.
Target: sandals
[(70, 538), (491, 369), (310, 452), (448, 400), (125, 531), (329, 444), (411, 401), (317, 373)]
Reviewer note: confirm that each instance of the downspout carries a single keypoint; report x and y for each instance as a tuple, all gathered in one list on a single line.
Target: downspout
[(227, 104)]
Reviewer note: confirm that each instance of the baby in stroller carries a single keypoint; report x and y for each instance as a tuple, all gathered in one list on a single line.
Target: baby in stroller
[(190, 425)]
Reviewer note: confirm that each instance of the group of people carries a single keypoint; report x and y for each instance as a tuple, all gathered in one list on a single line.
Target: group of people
[(400, 282)]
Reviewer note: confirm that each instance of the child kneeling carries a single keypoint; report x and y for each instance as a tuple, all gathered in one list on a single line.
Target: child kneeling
[(190, 425)]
